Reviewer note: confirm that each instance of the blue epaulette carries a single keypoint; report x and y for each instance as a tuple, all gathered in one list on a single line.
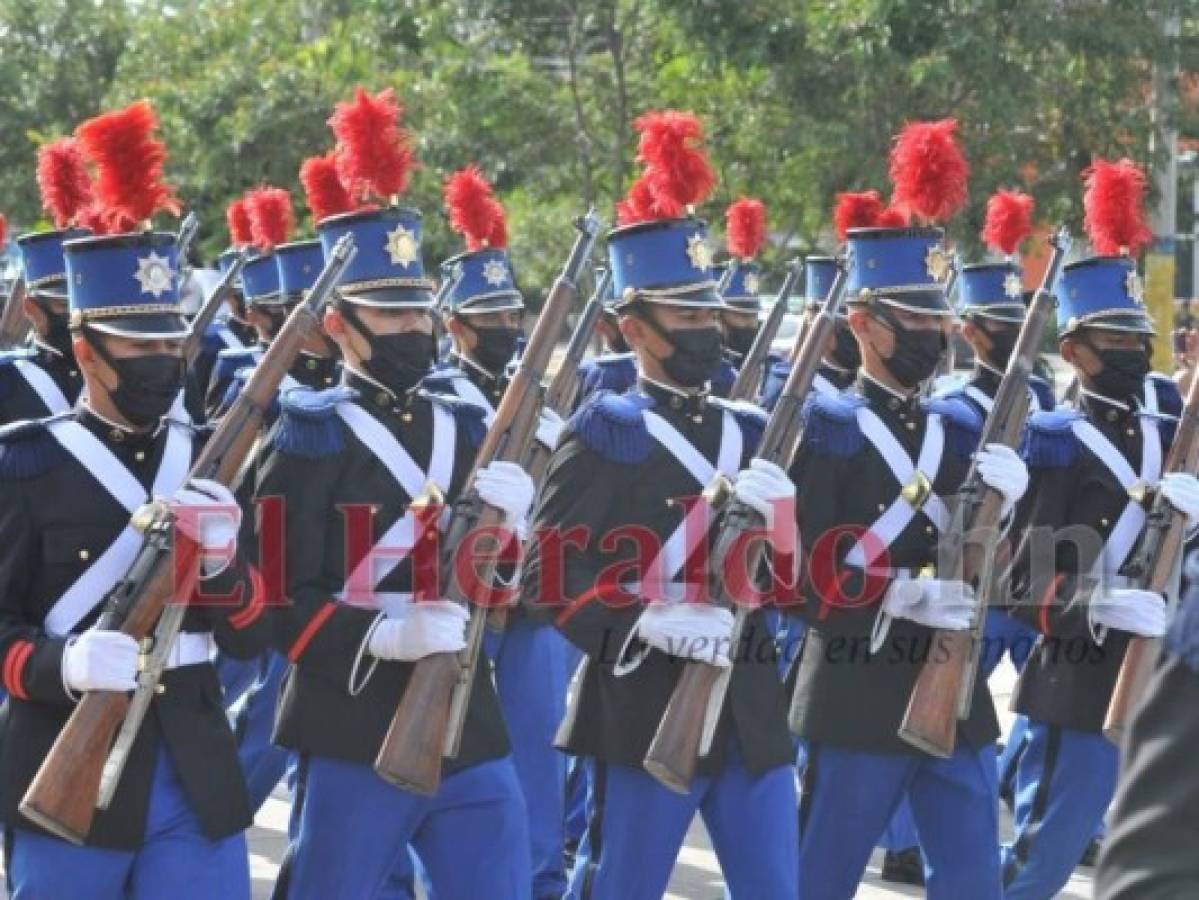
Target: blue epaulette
[(230, 360), (831, 424), (212, 343), (750, 417), (308, 424), (963, 423), (441, 380), (722, 381), (1182, 640), (1043, 391), (772, 384), (1049, 439), (28, 450), (468, 416), (613, 426), (615, 372), (1169, 402)]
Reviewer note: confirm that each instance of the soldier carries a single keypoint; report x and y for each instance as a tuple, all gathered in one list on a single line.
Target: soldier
[(346, 463), (623, 465), (872, 598), (68, 486), (43, 380), (740, 277), (614, 370), (840, 366), (1090, 467)]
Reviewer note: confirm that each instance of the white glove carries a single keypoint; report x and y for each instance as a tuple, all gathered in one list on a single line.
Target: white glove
[(430, 626), (1002, 468), (1181, 489), (505, 486), (1130, 609), (696, 631), (946, 605), (213, 519), (549, 428), (762, 485), (100, 661)]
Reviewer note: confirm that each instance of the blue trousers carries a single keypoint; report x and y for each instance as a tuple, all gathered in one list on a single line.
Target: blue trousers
[(472, 836), (637, 828), (849, 796), (176, 860), (532, 672), (253, 717), (578, 784), (1005, 636), (236, 676), (1064, 785)]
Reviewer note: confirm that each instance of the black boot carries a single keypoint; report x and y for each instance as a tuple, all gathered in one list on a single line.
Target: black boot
[(904, 867)]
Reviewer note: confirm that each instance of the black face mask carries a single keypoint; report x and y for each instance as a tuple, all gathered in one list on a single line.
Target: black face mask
[(696, 355), (398, 361), (916, 352), (147, 385), (1123, 374), (846, 353), (495, 347), (1003, 343), (739, 340)]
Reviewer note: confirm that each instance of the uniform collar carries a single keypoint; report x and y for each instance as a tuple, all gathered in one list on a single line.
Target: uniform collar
[(374, 393), (837, 376), (492, 386), (321, 368), (986, 378), (1104, 410), (113, 433), (693, 403)]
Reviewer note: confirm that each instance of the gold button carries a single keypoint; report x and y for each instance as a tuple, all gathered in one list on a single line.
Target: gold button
[(882, 507), (676, 402), (74, 374), (85, 555), (928, 529), (697, 418), (1111, 415), (407, 417), (893, 403), (382, 398), (117, 435), (1131, 432), (910, 426), (140, 455), (1103, 523), (311, 364)]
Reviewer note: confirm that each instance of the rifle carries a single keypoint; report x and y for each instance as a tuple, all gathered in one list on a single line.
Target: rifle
[(745, 385), (688, 725), (14, 326), (188, 229), (79, 771), (431, 714), (1152, 565), (944, 689), (208, 309)]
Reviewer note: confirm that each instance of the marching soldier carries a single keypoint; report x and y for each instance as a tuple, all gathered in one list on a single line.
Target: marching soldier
[(614, 370), (68, 486), (346, 463), (623, 465), (1090, 467), (44, 380), (740, 277), (873, 467)]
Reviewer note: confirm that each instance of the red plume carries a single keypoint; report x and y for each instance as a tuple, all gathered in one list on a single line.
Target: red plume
[(892, 217), (271, 217), (325, 193), (1114, 204), (3, 230), (374, 154), (498, 236), (745, 226), (638, 205), (1008, 222), (677, 169), (64, 181), (241, 230), (472, 208), (129, 161), (928, 170), (856, 210)]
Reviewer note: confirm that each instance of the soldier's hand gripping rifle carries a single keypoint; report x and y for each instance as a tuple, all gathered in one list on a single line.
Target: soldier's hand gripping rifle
[(749, 376), (1153, 567), (428, 723), (943, 691), (209, 308), (689, 722), (151, 598), (14, 326)]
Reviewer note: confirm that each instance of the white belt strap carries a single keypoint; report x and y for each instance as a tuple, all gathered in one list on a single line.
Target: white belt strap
[(468, 391), (43, 385), (674, 553), (900, 513), (980, 397), (401, 536), (101, 576), (191, 648), (228, 338), (1128, 526), (822, 386)]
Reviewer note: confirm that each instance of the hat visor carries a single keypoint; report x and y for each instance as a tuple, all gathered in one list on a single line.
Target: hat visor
[(743, 304), (154, 326), (924, 302), (703, 296), (274, 298), (499, 302), (1010, 313), (52, 290), (388, 297), (1135, 323)]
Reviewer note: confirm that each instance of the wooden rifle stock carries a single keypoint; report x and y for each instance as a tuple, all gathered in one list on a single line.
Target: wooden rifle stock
[(62, 797), (14, 326), (689, 722), (749, 376), (429, 720), (945, 684), (1153, 566), (208, 309)]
